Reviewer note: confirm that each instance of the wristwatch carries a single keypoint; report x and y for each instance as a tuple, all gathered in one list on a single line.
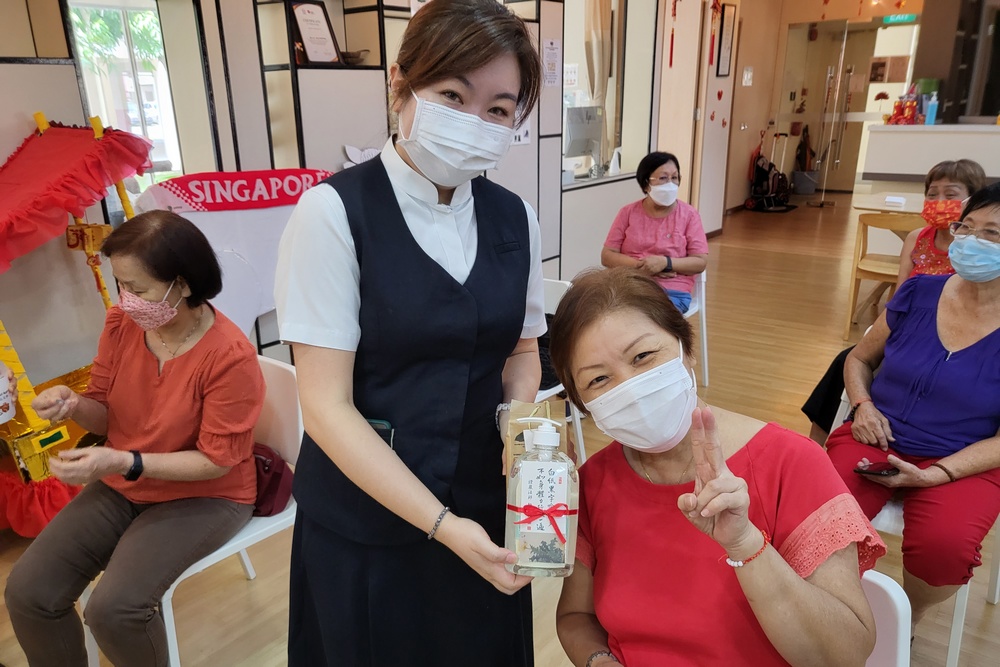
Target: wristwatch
[(136, 470), (670, 263)]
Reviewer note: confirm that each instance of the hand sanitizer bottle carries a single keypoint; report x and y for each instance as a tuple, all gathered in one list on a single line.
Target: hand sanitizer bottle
[(932, 108), (542, 502)]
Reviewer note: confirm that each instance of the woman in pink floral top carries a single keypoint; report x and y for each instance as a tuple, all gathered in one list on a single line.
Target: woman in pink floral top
[(659, 234)]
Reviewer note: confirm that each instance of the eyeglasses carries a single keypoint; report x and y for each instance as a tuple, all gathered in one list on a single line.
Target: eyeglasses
[(961, 230), (660, 180)]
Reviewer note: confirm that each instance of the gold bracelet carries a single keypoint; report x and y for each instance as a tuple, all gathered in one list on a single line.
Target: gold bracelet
[(951, 476)]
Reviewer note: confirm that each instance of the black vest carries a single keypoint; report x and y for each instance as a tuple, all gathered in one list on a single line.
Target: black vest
[(429, 361)]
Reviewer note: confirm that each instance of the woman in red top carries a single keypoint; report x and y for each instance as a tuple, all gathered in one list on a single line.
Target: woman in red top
[(681, 490), (177, 389)]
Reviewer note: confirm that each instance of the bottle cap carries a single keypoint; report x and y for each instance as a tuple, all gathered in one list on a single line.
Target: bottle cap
[(546, 435)]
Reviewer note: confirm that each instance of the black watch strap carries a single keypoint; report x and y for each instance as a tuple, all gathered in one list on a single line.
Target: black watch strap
[(670, 263), (136, 470)]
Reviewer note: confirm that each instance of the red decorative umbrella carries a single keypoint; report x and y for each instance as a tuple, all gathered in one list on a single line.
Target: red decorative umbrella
[(63, 170)]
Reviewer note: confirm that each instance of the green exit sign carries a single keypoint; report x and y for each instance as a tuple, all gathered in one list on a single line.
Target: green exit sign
[(897, 19)]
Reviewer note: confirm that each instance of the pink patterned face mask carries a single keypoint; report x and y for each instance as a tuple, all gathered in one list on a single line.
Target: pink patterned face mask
[(148, 315)]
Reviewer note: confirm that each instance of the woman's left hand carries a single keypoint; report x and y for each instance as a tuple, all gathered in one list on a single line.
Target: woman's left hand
[(653, 264), (720, 502), (909, 475), (83, 466)]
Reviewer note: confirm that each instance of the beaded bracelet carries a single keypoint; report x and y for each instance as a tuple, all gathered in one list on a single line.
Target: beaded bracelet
[(437, 524), (500, 408), (854, 408), (741, 563), (951, 475), (600, 654)]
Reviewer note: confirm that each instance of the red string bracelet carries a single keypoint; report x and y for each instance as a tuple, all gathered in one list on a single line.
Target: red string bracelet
[(741, 563)]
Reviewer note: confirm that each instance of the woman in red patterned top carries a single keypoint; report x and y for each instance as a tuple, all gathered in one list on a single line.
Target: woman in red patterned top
[(925, 251), (705, 537)]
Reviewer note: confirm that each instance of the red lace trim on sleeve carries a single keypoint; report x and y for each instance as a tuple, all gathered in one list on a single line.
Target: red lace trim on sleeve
[(835, 524)]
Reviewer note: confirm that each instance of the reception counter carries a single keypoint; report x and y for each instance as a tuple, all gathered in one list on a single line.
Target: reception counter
[(903, 154)]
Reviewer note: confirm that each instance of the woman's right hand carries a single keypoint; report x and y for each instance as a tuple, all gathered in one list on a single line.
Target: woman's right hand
[(870, 427), (471, 543), (56, 403), (11, 382)]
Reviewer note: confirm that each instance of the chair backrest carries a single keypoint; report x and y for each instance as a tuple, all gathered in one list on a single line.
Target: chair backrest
[(554, 291), (895, 222), (280, 423), (891, 609)]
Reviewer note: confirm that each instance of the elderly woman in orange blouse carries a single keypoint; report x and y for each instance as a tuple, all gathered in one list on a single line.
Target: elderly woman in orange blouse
[(177, 389)]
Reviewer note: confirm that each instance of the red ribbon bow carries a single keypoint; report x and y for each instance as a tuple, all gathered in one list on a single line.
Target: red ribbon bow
[(556, 511)]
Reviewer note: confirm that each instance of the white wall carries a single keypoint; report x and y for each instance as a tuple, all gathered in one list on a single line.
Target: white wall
[(679, 88), (49, 304), (245, 84), (714, 126), (588, 212)]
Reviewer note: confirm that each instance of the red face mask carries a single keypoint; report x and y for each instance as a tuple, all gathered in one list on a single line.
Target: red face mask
[(941, 212)]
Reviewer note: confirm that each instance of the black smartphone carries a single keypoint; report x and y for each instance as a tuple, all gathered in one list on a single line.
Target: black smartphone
[(880, 469), (384, 430)]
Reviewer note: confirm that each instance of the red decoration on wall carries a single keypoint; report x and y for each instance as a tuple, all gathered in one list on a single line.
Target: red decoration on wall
[(724, 123), (719, 95), (673, 21), (716, 10), (712, 117)]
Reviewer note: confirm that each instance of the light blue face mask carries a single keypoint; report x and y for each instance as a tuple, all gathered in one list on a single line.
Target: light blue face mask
[(974, 259)]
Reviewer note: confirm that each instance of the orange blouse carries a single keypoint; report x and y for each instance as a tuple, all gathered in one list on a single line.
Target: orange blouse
[(207, 399)]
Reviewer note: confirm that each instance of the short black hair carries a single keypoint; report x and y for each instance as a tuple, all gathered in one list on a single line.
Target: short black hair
[(651, 163), (988, 197), (169, 247)]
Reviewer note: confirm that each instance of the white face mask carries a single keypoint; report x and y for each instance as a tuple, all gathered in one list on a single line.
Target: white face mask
[(451, 147), (664, 194), (650, 412)]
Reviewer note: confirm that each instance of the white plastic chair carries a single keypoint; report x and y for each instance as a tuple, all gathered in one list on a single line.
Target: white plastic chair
[(890, 520), (279, 427), (698, 307), (891, 609), (554, 290)]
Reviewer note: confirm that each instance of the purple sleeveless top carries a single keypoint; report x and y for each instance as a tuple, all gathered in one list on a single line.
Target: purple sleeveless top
[(936, 402)]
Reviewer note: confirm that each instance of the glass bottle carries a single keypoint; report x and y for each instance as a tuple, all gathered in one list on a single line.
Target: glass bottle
[(542, 502)]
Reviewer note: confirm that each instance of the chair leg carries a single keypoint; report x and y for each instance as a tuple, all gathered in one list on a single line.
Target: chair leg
[(581, 450), (993, 592), (247, 565), (93, 652), (703, 320), (850, 307), (957, 626), (167, 611)]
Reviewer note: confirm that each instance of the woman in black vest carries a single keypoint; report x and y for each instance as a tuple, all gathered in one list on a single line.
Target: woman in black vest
[(411, 290)]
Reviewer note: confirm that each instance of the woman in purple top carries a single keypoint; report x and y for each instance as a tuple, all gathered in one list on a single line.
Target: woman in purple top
[(933, 412), (659, 234)]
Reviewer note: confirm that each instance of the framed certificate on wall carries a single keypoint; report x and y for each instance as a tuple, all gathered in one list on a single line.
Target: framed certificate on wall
[(727, 31), (315, 43)]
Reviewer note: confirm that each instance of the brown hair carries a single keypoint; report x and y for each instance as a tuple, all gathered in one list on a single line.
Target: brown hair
[(169, 247), (597, 293), (967, 172), (450, 38)]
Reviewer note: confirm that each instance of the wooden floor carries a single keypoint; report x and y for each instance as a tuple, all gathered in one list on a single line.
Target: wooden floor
[(777, 294)]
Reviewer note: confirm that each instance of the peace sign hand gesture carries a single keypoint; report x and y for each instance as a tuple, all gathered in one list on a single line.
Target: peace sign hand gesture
[(718, 507)]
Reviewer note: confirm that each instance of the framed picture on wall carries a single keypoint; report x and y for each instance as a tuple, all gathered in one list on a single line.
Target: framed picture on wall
[(727, 31), (315, 43)]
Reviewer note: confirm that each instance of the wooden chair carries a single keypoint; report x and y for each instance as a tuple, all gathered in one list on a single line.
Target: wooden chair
[(873, 266)]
